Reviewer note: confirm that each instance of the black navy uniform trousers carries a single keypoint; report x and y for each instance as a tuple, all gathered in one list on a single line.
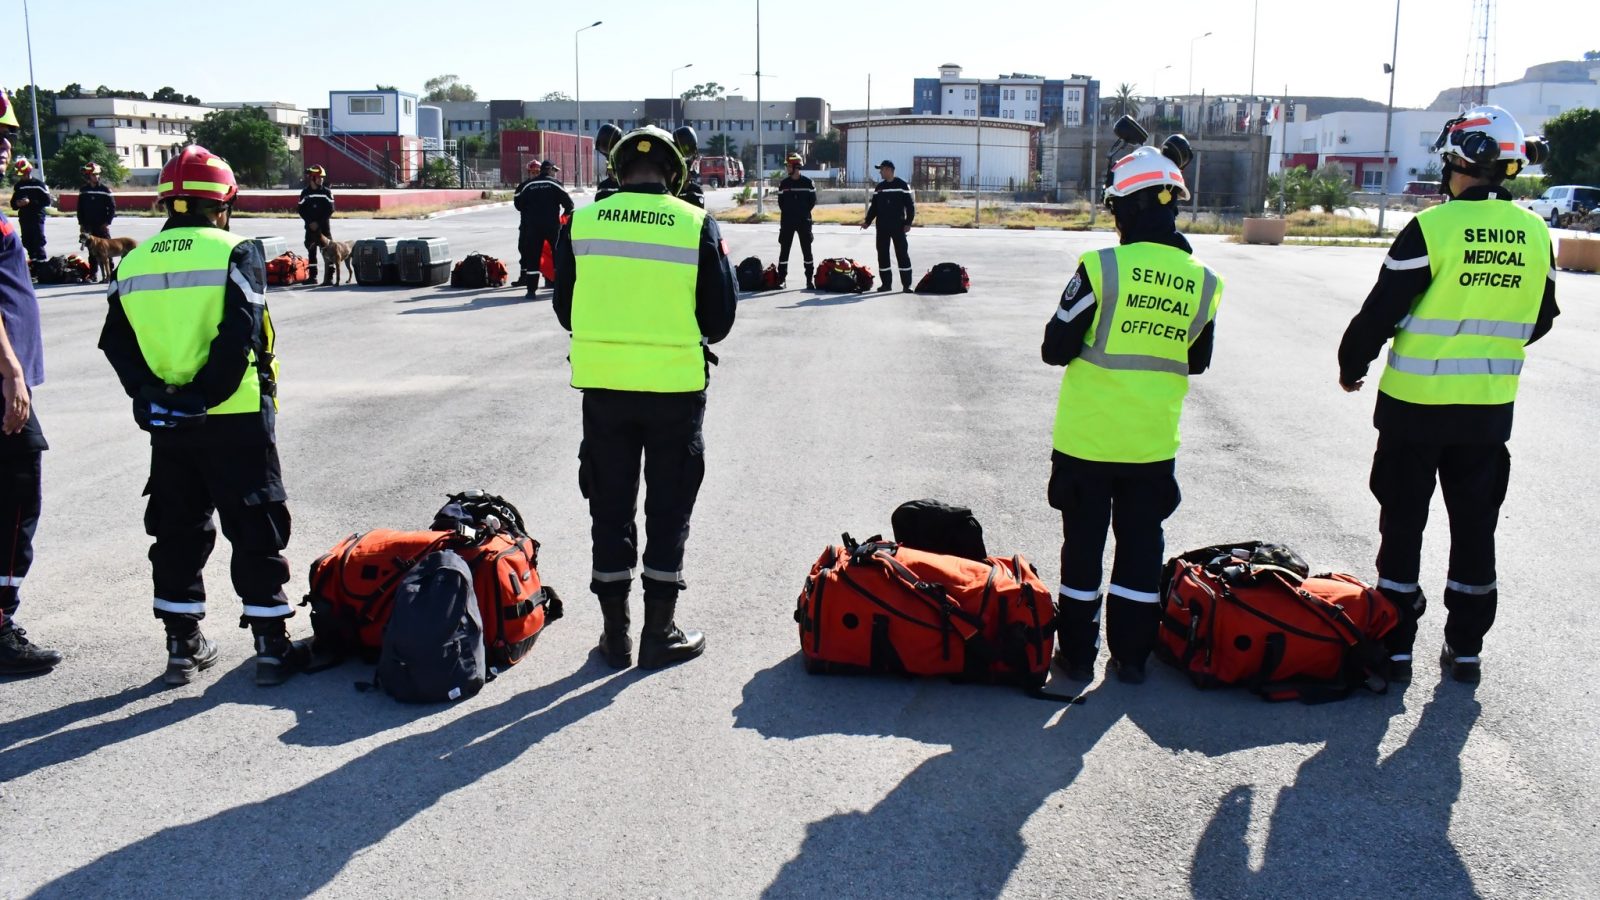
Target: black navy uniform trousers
[(620, 427), (1461, 449)]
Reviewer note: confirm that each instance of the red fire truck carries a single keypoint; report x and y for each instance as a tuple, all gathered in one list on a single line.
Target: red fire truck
[(720, 171)]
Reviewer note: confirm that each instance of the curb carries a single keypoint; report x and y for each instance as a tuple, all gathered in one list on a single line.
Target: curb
[(443, 213)]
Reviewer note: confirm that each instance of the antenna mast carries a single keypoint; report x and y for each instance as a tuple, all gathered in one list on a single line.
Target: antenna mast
[(1480, 58)]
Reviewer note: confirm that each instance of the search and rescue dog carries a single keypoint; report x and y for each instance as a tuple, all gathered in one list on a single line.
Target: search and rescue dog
[(101, 250), (334, 254)]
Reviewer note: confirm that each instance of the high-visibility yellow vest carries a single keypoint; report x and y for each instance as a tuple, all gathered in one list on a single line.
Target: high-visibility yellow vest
[(171, 288), (1122, 396), (1463, 341), (633, 323)]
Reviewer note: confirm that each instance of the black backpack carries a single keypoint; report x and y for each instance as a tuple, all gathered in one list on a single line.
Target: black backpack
[(471, 272), (944, 278), (939, 528), (748, 274), (433, 645)]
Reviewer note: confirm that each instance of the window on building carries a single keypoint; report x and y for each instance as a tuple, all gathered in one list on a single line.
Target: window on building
[(409, 108), (1308, 145), (1428, 137), (365, 106), (144, 124), (1372, 179)]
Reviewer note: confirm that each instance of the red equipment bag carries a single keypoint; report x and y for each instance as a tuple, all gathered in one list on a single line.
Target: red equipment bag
[(547, 265), (881, 607), (353, 587), (288, 268), (1248, 614), (844, 276), (769, 277)]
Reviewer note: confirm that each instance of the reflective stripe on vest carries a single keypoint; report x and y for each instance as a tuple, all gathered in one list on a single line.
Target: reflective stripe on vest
[(633, 306), (1122, 397), (1463, 341), (171, 289)]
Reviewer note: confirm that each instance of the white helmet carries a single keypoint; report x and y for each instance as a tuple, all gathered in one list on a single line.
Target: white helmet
[(1146, 168), (1487, 136)]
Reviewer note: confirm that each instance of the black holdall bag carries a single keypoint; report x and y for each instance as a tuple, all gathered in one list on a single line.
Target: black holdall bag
[(471, 272), (944, 278), (938, 527), (748, 274), (433, 645)]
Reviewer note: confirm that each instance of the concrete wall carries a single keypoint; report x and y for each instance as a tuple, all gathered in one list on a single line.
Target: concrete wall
[(1229, 172)]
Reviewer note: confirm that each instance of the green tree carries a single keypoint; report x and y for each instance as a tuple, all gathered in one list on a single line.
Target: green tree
[(249, 141), (825, 149), (437, 173), (103, 91), (556, 97), (519, 124), (707, 91), (171, 95), (1591, 55), (66, 166), (22, 141), (1574, 138), (1293, 188), (385, 87), (447, 87), (1330, 188), (1127, 104), (721, 145)]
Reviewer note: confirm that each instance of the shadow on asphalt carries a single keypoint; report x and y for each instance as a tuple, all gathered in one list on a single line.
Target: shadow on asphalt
[(482, 300), (952, 827), (293, 844), (831, 299)]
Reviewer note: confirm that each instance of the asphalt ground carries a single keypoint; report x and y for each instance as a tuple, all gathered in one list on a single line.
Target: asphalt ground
[(737, 774)]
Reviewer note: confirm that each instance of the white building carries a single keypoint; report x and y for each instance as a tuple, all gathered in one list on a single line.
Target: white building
[(143, 133), (1016, 97), (372, 112), (938, 151)]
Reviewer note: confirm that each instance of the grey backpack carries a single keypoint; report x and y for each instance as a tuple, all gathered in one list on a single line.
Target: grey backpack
[(433, 644)]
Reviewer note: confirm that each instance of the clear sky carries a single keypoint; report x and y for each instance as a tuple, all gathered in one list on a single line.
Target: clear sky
[(506, 50)]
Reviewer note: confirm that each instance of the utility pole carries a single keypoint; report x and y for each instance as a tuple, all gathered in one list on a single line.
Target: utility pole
[(1388, 122), (33, 90), (1092, 116), (1199, 158), (577, 102), (977, 175), (866, 162), (761, 148), (1255, 28), (1283, 156)]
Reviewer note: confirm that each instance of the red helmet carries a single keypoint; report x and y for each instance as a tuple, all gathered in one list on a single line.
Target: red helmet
[(198, 173), (92, 169), (316, 172), (22, 166), (794, 160), (534, 165)]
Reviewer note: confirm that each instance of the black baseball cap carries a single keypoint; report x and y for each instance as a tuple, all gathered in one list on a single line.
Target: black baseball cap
[(886, 164)]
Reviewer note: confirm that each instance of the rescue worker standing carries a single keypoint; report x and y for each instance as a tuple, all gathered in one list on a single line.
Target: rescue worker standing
[(97, 207), (542, 201), (21, 439), (1134, 323), (796, 196), (30, 198), (316, 210), (643, 285), (191, 340), (893, 208), (1466, 285), (607, 186)]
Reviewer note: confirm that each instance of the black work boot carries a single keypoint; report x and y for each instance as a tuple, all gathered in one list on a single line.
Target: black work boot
[(188, 656), (905, 280), (311, 273), (887, 285), (277, 657), (1131, 628), (1465, 669), (1398, 642), (811, 279), (20, 656), (663, 643), (783, 274), (616, 647), (1078, 636), (533, 283)]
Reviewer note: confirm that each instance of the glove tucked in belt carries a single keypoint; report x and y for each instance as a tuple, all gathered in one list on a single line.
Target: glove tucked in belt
[(167, 408)]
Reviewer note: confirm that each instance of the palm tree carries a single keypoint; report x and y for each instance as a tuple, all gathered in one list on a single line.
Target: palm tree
[(722, 145), (1125, 99)]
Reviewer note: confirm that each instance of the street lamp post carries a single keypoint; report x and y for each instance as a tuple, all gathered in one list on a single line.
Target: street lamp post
[(761, 149), (33, 88), (577, 100), (1388, 123), (672, 98), (1190, 92)]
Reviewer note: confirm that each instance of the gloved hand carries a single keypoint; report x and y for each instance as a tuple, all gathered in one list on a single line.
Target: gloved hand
[(168, 407)]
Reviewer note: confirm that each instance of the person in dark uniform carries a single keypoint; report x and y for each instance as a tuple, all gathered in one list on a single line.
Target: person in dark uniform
[(607, 186), (1116, 431), (643, 285), (206, 392), (894, 208), (1466, 286), (796, 197), (30, 198), (21, 439), (316, 210), (97, 206), (692, 192), (542, 201)]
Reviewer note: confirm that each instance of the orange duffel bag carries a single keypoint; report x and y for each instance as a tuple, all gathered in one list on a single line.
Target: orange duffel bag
[(353, 585), (882, 607), (1249, 613)]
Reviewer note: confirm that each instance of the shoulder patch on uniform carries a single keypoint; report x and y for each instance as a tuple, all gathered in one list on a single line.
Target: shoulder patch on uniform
[(723, 246), (1073, 285)]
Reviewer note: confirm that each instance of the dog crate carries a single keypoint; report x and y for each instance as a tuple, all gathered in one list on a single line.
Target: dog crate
[(424, 260), (375, 260), (271, 246)]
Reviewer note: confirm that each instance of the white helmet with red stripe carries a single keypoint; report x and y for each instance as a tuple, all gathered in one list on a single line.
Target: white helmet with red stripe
[(1147, 168), (1484, 136)]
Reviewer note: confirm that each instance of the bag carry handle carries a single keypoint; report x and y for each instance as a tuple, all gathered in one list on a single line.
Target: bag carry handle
[(1367, 653)]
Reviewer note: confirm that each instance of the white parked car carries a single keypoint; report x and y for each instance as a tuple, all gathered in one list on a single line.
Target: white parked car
[(1562, 200)]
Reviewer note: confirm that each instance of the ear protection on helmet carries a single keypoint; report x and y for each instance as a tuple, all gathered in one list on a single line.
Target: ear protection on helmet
[(605, 140), (1176, 148), (687, 142)]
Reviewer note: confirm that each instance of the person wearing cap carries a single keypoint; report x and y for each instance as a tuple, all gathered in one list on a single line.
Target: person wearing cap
[(22, 442), (893, 207), (693, 193), (1464, 288), (542, 201), (644, 286), (607, 186), (316, 210), (1116, 428), (189, 335), (796, 196), (97, 207), (30, 198)]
